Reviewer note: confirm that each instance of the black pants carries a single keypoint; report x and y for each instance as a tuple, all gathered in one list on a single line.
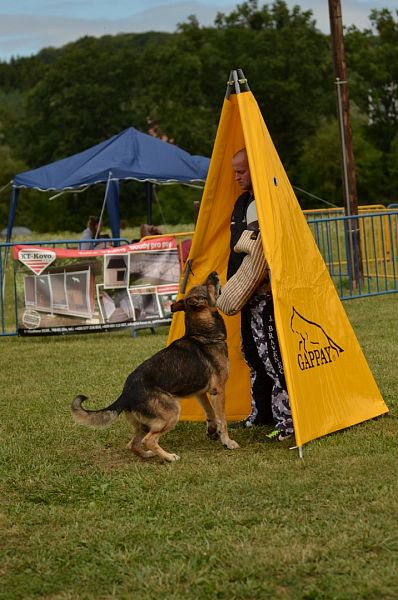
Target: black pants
[(261, 383)]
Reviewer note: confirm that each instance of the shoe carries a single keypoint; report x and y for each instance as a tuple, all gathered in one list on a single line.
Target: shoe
[(245, 424), (277, 435)]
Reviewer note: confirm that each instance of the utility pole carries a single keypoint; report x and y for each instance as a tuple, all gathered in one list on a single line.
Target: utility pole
[(347, 151)]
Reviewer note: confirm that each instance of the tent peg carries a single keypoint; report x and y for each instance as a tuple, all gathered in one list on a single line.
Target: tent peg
[(300, 450)]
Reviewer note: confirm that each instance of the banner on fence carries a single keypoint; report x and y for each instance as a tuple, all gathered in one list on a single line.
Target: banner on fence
[(63, 290)]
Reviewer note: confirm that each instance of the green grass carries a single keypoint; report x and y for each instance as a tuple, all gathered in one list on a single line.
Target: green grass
[(81, 518)]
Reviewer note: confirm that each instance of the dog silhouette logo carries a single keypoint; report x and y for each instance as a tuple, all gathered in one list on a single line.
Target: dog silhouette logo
[(315, 347)]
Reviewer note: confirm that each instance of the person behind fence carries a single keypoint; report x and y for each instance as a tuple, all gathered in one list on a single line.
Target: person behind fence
[(92, 232), (248, 290), (146, 230)]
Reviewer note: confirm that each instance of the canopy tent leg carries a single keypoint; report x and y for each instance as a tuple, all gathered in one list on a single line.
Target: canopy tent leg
[(103, 205), (111, 201), (113, 208), (158, 204), (11, 217), (149, 201), (11, 213)]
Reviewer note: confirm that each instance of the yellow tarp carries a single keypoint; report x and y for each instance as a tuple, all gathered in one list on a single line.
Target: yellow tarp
[(329, 382)]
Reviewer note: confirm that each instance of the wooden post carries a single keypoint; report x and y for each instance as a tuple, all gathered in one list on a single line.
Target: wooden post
[(347, 151), (196, 206)]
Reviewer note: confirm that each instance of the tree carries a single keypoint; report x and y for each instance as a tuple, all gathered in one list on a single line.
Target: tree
[(374, 57), (85, 96), (9, 166), (320, 170), (64, 100), (288, 64), (175, 93), (284, 56)]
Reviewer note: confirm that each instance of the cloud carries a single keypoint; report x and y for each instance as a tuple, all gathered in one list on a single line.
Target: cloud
[(26, 34), (354, 12)]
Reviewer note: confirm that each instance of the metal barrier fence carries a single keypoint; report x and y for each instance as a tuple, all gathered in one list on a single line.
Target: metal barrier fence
[(360, 252), (327, 213)]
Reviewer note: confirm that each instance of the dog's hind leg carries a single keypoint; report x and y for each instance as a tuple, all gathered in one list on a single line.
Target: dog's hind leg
[(160, 426), (218, 402), (212, 428), (135, 445), (151, 441), (140, 431)]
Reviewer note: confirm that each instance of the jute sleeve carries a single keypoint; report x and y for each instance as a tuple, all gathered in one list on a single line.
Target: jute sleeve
[(252, 272)]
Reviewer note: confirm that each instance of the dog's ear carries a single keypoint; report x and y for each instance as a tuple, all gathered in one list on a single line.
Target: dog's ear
[(177, 306)]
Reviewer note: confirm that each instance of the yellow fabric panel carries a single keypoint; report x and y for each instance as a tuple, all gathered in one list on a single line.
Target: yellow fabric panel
[(210, 252), (329, 382)]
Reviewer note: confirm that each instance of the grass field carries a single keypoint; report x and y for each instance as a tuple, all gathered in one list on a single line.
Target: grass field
[(81, 518)]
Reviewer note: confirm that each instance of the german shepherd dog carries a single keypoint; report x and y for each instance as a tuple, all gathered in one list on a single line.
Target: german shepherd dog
[(194, 365)]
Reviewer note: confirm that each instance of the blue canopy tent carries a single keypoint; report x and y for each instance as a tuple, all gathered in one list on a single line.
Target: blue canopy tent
[(129, 155)]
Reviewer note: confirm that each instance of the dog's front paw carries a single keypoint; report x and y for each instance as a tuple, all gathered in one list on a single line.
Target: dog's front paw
[(231, 444), (172, 457)]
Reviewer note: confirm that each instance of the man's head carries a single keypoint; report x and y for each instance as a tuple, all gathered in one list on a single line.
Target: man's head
[(94, 224), (146, 230), (240, 166)]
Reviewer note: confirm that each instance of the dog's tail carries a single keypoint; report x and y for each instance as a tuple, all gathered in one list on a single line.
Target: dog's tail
[(95, 418)]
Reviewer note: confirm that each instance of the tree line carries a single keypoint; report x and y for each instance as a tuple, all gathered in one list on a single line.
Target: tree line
[(62, 101)]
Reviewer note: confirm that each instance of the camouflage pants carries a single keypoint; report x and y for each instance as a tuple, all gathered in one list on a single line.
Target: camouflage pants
[(265, 336), (261, 384)]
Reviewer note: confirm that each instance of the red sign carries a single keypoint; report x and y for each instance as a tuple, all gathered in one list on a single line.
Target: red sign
[(36, 259)]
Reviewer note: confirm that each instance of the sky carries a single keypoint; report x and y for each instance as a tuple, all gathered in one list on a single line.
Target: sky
[(27, 26)]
